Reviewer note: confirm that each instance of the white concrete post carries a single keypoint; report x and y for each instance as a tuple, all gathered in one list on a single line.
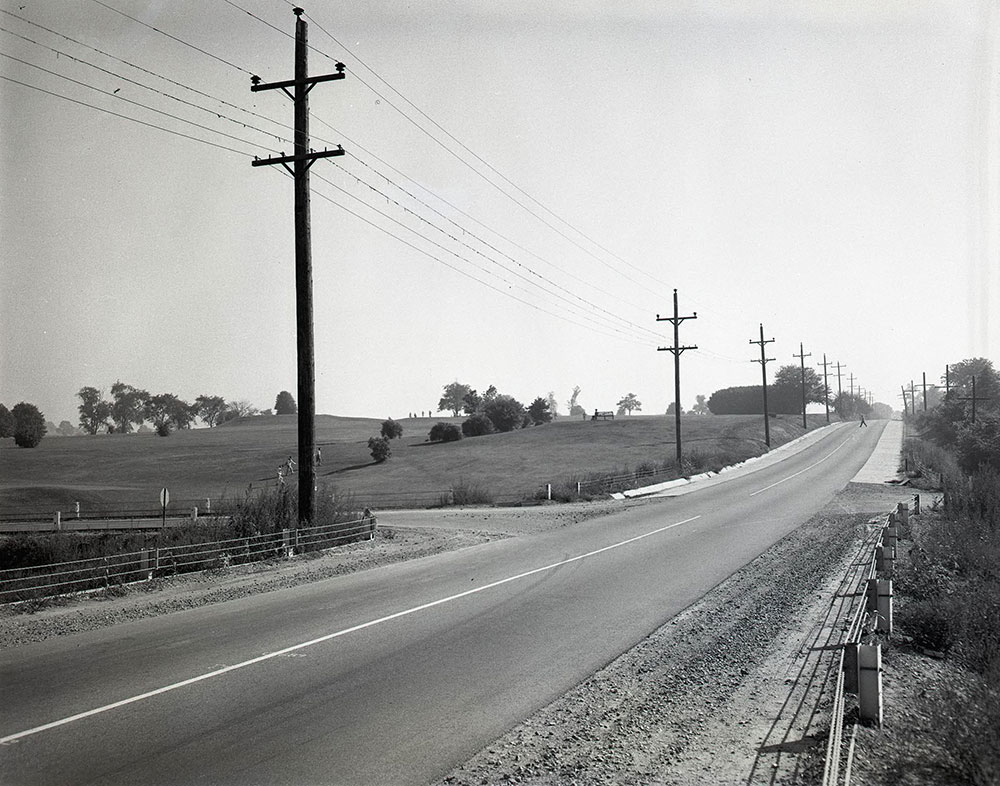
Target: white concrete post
[(194, 515), (57, 520), (208, 506), (548, 491), (883, 605), (879, 558), (578, 487), (870, 683), (77, 509)]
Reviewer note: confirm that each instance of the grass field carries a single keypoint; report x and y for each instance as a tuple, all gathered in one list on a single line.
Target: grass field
[(105, 471)]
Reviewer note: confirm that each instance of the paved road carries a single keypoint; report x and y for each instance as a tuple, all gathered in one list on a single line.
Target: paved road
[(392, 675)]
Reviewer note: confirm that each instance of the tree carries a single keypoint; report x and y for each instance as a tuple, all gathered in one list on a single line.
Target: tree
[(987, 381), (478, 425), (445, 432), (6, 422), (391, 429), (210, 409), (95, 411), (629, 403), (505, 412), (539, 411), (671, 408), (790, 377), (129, 406), (979, 443), (379, 447), (66, 429), (550, 399), (700, 407), (490, 394), (453, 398), (471, 402), (165, 411), (237, 409), (575, 410), (29, 425), (285, 404)]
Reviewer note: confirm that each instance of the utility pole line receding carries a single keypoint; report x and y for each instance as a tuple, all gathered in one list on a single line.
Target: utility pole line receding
[(301, 160), (826, 387), (906, 411), (676, 349), (925, 390), (763, 360), (802, 362), (852, 384)]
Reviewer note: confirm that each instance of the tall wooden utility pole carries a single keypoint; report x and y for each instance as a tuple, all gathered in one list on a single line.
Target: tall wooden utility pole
[(974, 398), (802, 362), (763, 360), (852, 384), (300, 160), (925, 390), (676, 349), (840, 390), (906, 410), (826, 387)]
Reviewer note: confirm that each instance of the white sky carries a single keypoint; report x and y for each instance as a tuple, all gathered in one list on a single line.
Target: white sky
[(828, 169)]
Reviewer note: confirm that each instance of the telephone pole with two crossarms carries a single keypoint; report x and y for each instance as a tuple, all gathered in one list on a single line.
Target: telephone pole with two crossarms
[(764, 360), (298, 165), (676, 349)]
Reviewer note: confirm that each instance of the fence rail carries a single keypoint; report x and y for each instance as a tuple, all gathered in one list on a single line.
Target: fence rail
[(25, 583)]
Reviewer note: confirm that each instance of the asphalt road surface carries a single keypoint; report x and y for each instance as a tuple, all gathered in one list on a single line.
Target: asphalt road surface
[(398, 674)]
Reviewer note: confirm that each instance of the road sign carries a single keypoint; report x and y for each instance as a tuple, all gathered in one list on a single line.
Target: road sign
[(164, 497)]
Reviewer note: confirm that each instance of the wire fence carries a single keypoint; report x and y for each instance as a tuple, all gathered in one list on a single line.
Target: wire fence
[(26, 583)]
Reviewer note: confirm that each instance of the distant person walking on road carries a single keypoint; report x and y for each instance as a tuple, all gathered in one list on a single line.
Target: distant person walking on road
[(290, 465), (319, 456), (281, 475), (863, 422)]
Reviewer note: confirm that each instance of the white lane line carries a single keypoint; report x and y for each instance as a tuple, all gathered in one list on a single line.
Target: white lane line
[(811, 466), (270, 655)]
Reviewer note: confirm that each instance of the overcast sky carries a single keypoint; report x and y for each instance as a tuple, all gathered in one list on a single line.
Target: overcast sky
[(828, 168)]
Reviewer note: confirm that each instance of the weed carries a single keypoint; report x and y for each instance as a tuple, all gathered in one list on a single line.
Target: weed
[(466, 492)]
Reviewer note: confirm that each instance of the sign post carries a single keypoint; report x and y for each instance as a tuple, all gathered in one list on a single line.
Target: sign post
[(164, 500)]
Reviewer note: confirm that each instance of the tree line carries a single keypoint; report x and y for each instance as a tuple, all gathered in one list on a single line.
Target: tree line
[(129, 408)]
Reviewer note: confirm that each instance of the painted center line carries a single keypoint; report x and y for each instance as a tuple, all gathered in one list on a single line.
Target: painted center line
[(796, 474), (329, 636)]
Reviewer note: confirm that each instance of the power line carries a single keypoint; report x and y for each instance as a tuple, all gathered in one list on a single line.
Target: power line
[(124, 117), (127, 100), (60, 53), (173, 37), (533, 272)]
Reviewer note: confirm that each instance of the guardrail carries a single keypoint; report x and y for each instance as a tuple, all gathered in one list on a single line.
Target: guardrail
[(860, 668), (25, 583)]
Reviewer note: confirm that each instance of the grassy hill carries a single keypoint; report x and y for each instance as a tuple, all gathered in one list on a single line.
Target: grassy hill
[(129, 470)]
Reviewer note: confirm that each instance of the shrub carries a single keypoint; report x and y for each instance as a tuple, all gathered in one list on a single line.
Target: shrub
[(391, 429), (379, 447), (505, 412), (6, 422), (471, 493), (540, 411), (163, 430), (478, 425), (445, 432), (979, 443), (29, 425)]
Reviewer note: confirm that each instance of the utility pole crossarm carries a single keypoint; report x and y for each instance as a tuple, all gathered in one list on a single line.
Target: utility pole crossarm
[(307, 83), (306, 159)]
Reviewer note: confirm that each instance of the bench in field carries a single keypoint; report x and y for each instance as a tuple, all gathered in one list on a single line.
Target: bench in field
[(609, 415)]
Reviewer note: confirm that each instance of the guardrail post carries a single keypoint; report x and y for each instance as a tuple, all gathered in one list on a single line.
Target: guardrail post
[(883, 606), (194, 515), (548, 491), (578, 487), (208, 506), (870, 683), (851, 667), (156, 563), (284, 544), (144, 563), (57, 521), (916, 504), (902, 513), (871, 596), (77, 504), (879, 558)]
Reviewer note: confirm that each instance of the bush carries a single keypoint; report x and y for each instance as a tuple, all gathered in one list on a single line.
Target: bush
[(478, 425), (466, 493), (29, 425), (445, 432), (391, 429), (979, 443), (163, 430), (539, 411), (379, 447), (505, 412)]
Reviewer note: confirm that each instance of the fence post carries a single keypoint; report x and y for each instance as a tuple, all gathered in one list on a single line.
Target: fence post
[(77, 504), (144, 563), (902, 513), (208, 506), (916, 504), (883, 606), (578, 487), (851, 667), (870, 683), (548, 491), (194, 515), (156, 563), (284, 543), (57, 521)]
